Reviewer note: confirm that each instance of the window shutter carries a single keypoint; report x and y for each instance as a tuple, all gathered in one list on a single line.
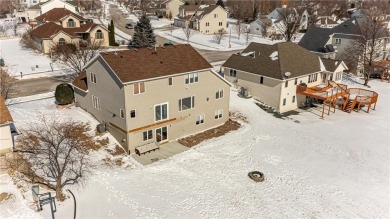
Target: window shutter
[(142, 90), (136, 88)]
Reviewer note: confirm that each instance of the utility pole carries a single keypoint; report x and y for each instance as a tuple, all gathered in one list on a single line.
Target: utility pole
[(230, 36)]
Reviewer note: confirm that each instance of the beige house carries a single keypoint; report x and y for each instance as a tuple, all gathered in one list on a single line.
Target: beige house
[(153, 95), (45, 6), (7, 129), (207, 19), (271, 72), (61, 26)]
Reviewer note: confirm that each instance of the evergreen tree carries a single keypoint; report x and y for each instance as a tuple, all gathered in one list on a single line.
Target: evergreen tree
[(143, 33), (111, 34), (220, 3)]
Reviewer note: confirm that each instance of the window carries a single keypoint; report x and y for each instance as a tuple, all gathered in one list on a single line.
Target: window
[(199, 120), (220, 24), (139, 88), (93, 78), (207, 31), (122, 113), (261, 79), (286, 84), (61, 41), (132, 114), (99, 34), (284, 102), (296, 81), (207, 24), (95, 102), (187, 103), (218, 114), (233, 73), (338, 41), (147, 135), (161, 112), (169, 81), (71, 23), (191, 78), (219, 94), (162, 134), (338, 76), (293, 100), (215, 15), (312, 78)]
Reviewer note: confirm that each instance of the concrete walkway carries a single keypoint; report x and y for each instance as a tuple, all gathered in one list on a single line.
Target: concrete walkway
[(166, 150)]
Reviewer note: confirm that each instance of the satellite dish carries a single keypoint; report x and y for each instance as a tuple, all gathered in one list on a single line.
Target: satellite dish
[(287, 74)]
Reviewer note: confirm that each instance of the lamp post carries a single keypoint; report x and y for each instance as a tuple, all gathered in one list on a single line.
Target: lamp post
[(74, 202)]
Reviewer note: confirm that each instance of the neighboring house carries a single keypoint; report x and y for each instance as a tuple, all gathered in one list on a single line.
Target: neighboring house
[(207, 19), (271, 72), (172, 6), (61, 26), (7, 129), (326, 22), (153, 95), (43, 7), (262, 26), (332, 42), (281, 15)]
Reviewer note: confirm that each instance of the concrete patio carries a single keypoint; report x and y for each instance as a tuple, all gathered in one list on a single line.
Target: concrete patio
[(166, 150)]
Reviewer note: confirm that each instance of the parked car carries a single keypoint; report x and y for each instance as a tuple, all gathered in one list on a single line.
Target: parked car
[(129, 26), (169, 43)]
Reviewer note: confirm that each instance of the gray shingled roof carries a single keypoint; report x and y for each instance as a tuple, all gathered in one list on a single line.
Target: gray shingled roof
[(290, 58), (331, 64)]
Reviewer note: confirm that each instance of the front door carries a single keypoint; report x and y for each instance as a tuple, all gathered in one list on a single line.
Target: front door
[(162, 134)]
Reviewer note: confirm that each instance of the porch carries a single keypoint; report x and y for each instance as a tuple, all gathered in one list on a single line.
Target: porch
[(165, 151)]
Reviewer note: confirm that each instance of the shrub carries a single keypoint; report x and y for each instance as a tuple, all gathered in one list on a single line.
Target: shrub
[(64, 94)]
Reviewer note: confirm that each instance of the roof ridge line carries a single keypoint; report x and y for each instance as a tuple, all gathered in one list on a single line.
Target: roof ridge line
[(279, 59)]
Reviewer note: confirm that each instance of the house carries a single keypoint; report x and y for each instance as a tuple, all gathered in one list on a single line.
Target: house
[(61, 26), (164, 7), (43, 7), (7, 129), (207, 19), (333, 42), (262, 26), (153, 94), (281, 15), (271, 73)]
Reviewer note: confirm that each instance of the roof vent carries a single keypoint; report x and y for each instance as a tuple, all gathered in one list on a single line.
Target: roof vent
[(161, 62)]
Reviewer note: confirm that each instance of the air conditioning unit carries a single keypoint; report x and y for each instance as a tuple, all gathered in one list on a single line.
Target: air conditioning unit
[(101, 128)]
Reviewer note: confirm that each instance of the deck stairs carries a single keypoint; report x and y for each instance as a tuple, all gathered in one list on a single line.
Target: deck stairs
[(350, 105)]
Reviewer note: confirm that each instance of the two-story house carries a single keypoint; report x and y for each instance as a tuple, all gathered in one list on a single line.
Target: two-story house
[(45, 6), (153, 95), (207, 19), (61, 26), (271, 72)]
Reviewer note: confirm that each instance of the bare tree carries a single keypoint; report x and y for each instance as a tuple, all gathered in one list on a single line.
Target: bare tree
[(53, 152), (239, 28), (7, 83), (240, 10), (219, 35), (288, 23), (75, 55), (188, 32), (248, 36), (265, 26), (27, 41), (367, 48)]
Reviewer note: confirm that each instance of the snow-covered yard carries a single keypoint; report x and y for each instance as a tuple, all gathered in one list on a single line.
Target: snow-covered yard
[(332, 168), (31, 64)]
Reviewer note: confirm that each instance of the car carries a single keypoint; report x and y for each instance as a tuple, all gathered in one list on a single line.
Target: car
[(169, 43), (129, 26)]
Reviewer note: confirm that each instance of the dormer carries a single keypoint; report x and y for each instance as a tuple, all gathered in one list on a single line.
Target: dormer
[(70, 22)]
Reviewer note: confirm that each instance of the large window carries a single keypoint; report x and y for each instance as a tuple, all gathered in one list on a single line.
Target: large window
[(220, 24), (191, 78), (139, 88), (99, 34), (187, 103), (61, 41), (161, 112), (312, 78), (338, 76), (233, 73), (338, 41), (261, 79), (162, 134), (147, 135), (207, 24), (95, 102), (219, 94), (71, 23), (218, 114), (199, 120), (93, 78)]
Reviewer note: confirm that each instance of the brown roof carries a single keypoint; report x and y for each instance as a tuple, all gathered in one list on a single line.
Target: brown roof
[(5, 116), (288, 57), (57, 14), (81, 81), (330, 64), (202, 10), (48, 30), (145, 63)]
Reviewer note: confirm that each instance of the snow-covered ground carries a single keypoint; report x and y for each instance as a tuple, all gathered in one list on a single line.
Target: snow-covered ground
[(31, 64), (332, 168)]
